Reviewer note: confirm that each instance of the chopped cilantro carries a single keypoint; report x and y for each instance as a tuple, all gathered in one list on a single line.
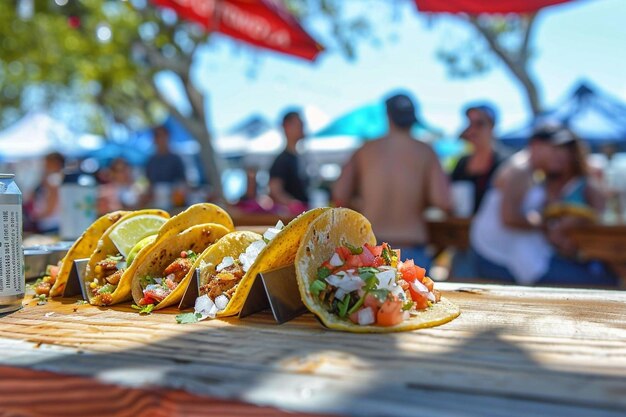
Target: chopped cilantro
[(407, 306), (147, 309), (368, 269), (357, 305), (323, 273), (343, 306), (147, 280), (317, 286), (188, 318), (387, 255), (380, 294), (371, 283)]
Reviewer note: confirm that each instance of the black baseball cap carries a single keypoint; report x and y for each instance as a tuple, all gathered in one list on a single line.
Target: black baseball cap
[(401, 110), (486, 108)]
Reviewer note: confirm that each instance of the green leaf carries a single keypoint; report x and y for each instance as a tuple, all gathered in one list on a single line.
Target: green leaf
[(323, 273), (368, 269), (357, 305), (147, 309), (106, 289), (371, 283), (317, 286), (186, 318)]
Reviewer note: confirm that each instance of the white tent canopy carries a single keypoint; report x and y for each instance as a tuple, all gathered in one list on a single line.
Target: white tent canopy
[(37, 134)]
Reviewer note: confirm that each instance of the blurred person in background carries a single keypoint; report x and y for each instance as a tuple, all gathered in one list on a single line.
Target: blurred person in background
[(508, 233), (165, 172), (289, 182), (392, 180), (119, 192), (251, 201), (478, 167), (45, 205)]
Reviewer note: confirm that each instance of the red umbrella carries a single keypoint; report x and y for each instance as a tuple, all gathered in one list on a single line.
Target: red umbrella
[(484, 6), (263, 23)]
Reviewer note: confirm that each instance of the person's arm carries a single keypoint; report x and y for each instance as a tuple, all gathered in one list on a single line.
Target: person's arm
[(514, 183), (438, 185), (344, 188), (595, 196), (278, 172), (52, 201)]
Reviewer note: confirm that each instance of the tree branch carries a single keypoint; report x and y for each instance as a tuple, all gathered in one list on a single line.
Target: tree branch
[(524, 48)]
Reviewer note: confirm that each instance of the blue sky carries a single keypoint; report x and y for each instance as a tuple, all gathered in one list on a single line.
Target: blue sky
[(581, 40)]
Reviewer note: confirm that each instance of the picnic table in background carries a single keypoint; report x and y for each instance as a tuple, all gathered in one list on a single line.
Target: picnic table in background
[(514, 351)]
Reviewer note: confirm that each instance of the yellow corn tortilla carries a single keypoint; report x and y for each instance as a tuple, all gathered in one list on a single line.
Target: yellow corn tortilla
[(325, 234), (106, 247), (201, 213), (281, 251), (152, 263), (233, 244), (83, 248)]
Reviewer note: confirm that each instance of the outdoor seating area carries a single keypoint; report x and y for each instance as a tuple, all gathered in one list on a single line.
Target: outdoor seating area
[(312, 208)]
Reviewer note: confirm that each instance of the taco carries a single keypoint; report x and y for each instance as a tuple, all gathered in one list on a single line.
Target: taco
[(108, 274), (351, 284), (161, 275), (234, 262), (82, 248)]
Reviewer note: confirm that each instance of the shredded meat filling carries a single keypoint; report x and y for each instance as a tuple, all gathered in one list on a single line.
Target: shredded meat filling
[(180, 267), (224, 282)]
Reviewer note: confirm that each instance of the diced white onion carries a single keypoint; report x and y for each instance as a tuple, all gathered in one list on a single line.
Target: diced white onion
[(120, 265), (226, 262), (419, 287), (340, 294), (365, 316), (398, 292), (279, 225), (221, 301), (348, 283), (386, 279), (271, 233), (213, 312), (158, 280), (171, 277), (406, 315), (249, 256), (335, 260), (431, 297), (203, 305)]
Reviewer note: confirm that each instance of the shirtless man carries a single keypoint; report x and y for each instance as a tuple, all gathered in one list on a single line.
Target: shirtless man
[(392, 180)]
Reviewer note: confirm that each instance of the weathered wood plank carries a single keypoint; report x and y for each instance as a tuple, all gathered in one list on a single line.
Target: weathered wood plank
[(512, 351)]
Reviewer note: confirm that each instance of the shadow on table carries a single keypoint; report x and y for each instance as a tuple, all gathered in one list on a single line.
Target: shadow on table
[(303, 367)]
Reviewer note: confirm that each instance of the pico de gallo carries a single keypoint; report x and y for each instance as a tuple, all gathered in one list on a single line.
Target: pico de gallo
[(107, 274), (43, 285), (156, 289), (369, 285)]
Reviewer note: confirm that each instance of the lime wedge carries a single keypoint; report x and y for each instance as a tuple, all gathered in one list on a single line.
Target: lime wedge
[(139, 246), (128, 232)]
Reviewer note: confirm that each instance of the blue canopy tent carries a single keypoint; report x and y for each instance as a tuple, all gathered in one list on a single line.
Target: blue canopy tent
[(593, 115)]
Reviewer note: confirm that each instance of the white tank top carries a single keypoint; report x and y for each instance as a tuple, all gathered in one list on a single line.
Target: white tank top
[(525, 253)]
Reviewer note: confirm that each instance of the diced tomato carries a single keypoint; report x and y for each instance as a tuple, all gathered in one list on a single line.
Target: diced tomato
[(367, 258), (343, 253), (410, 272), (354, 317), (375, 250), (146, 300), (403, 284), (353, 262), (171, 284), (428, 283), (54, 271), (378, 261), (183, 254), (372, 302), (390, 313), (152, 295), (421, 302)]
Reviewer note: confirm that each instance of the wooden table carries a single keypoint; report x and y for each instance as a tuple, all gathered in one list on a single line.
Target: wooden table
[(514, 351)]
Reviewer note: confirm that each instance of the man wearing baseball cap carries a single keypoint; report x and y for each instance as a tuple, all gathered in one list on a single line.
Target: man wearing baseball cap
[(479, 167), (392, 180)]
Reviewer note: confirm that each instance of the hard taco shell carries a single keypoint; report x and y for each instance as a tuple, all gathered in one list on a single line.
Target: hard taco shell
[(324, 235), (83, 248), (153, 261)]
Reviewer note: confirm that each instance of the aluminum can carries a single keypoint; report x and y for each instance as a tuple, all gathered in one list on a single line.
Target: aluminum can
[(11, 253)]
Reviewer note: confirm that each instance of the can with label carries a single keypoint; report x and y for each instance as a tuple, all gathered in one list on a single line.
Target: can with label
[(11, 256)]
